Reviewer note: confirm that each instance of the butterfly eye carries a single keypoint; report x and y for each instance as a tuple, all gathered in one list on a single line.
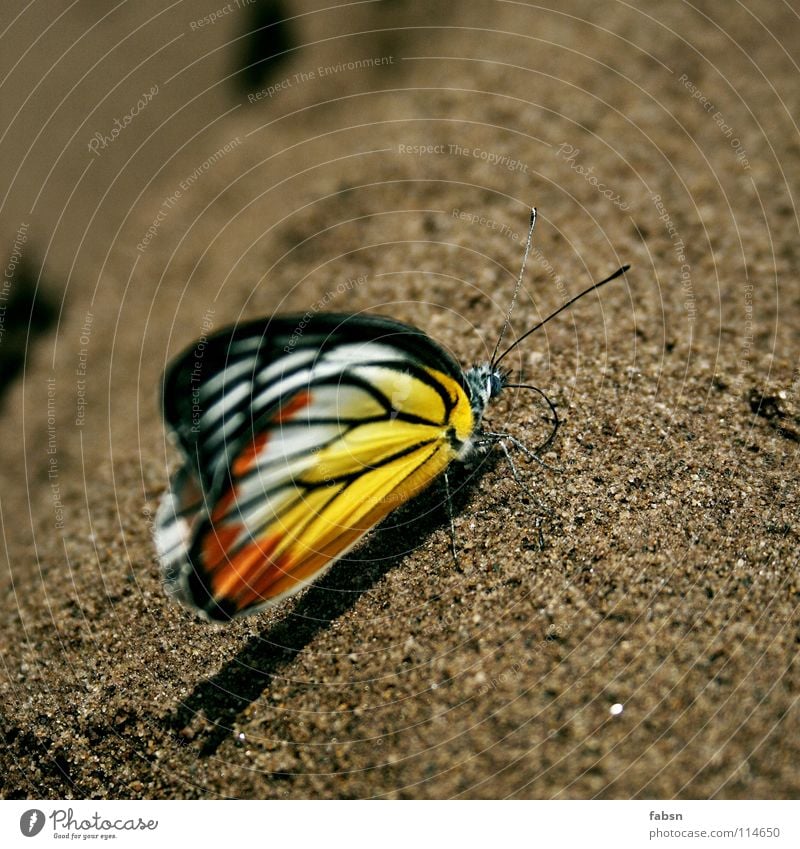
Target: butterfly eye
[(494, 384)]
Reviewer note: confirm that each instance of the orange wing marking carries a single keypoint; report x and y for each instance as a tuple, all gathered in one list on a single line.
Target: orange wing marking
[(217, 543), (247, 458), (223, 505), (302, 399), (231, 576), (235, 576)]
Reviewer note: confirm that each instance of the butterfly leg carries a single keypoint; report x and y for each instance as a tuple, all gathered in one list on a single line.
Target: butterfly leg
[(514, 472), (520, 446), (507, 453), (501, 439)]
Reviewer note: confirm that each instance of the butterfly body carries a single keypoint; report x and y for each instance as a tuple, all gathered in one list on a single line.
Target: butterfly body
[(299, 434)]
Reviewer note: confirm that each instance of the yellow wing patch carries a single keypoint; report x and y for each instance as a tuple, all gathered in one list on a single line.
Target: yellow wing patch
[(253, 555)]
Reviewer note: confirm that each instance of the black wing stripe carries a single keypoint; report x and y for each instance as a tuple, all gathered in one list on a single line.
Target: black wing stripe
[(399, 483), (258, 422), (234, 372), (346, 378), (221, 383), (253, 535), (240, 508), (260, 468), (237, 513), (259, 417), (348, 483), (423, 376), (349, 426), (351, 422), (242, 356), (384, 461), (246, 399), (298, 481)]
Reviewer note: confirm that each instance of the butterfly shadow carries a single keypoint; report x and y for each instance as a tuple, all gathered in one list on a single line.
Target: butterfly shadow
[(241, 681)]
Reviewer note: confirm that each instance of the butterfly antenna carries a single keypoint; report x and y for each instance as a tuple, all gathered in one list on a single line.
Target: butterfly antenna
[(517, 287), (618, 273), (556, 421)]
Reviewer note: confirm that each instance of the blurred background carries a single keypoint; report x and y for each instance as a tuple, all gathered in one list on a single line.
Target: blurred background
[(169, 169)]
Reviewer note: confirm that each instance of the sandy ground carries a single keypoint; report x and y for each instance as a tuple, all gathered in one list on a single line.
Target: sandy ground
[(649, 648)]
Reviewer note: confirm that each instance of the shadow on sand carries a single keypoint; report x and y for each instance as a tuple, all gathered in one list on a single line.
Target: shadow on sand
[(221, 698)]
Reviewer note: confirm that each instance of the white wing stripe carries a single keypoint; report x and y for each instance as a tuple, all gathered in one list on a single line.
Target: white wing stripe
[(291, 384), (267, 480), (229, 426), (285, 364), (365, 352), (226, 404), (227, 377), (290, 441)]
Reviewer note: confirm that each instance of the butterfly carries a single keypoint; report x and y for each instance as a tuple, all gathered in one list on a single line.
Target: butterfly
[(299, 433)]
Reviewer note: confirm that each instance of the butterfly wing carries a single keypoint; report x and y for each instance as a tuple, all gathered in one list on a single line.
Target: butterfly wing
[(299, 434)]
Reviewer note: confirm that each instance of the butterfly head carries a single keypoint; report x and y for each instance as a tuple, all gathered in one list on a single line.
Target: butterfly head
[(484, 382)]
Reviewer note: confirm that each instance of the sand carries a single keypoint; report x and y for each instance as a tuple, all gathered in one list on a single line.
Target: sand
[(386, 163)]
